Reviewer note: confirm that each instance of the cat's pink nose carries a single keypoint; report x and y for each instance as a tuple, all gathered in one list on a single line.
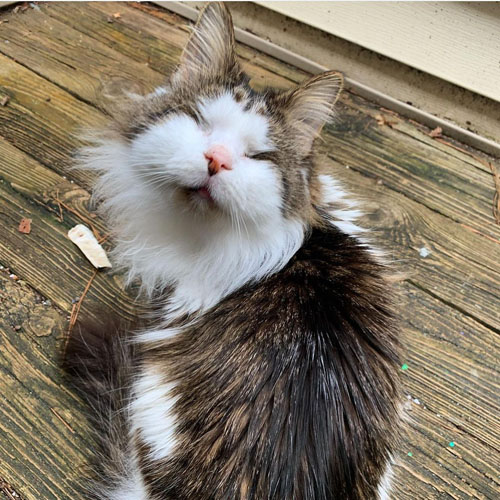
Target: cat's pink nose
[(218, 158)]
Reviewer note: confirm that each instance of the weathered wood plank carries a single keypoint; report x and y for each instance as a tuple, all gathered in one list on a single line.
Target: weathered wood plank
[(47, 188), (49, 261), (41, 119), (161, 36), (452, 381), (77, 63), (41, 456), (23, 172), (428, 175), (135, 34)]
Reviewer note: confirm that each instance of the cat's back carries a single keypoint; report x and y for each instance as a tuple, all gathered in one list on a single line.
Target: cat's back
[(286, 386)]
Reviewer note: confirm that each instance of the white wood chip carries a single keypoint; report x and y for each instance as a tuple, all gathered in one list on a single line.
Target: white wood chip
[(83, 238)]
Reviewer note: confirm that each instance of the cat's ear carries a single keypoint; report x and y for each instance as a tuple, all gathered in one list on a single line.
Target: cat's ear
[(310, 105), (210, 51)]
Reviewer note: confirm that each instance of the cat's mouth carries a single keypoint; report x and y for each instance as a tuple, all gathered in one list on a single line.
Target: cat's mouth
[(202, 193)]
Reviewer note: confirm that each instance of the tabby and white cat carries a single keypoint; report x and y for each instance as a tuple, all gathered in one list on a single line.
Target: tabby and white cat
[(272, 373)]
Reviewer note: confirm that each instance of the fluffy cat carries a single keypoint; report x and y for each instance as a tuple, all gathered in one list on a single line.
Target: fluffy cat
[(272, 373)]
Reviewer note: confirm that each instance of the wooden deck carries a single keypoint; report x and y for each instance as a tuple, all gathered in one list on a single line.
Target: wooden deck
[(55, 62)]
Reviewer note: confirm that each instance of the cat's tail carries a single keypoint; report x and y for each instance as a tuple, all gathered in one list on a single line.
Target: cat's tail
[(99, 359)]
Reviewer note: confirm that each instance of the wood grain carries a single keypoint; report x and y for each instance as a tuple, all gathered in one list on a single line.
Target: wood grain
[(164, 36), (24, 123), (417, 168), (50, 262), (75, 62), (417, 192), (41, 456), (461, 269), (452, 385)]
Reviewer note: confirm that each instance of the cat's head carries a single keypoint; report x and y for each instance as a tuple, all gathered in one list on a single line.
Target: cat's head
[(218, 147)]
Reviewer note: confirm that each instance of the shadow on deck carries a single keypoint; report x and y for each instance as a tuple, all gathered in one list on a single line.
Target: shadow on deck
[(421, 193)]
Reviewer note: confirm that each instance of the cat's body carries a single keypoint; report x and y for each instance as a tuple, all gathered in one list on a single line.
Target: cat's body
[(272, 373)]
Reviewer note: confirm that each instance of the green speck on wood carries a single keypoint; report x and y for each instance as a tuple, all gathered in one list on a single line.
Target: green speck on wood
[(404, 367), (452, 444), (410, 454)]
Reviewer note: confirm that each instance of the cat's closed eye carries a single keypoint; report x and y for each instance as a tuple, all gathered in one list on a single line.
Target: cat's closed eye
[(259, 155)]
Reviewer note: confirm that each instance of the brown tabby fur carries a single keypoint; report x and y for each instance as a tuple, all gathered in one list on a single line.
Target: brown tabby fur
[(306, 404)]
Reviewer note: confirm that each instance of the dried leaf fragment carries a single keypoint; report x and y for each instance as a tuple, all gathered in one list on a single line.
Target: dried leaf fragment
[(5, 100), (83, 238), (25, 226), (437, 132), (117, 15), (382, 120)]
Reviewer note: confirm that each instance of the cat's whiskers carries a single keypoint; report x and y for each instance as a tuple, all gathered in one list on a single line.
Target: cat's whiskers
[(154, 178), (242, 223)]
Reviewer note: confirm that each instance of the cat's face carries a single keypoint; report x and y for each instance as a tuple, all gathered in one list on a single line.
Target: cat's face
[(215, 146), (218, 160)]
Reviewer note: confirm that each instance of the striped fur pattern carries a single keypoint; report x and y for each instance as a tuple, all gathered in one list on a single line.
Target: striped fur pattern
[(271, 371)]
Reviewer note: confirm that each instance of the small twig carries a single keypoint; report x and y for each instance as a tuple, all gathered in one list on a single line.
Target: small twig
[(436, 135), (382, 120), (390, 111), (62, 420), (70, 327), (76, 308), (496, 197), (58, 201), (9, 494), (480, 233), (79, 215), (462, 150), (103, 238), (6, 488), (436, 132)]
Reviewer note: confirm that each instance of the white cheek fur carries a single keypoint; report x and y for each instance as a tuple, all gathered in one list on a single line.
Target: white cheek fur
[(251, 191), (345, 213), (173, 149)]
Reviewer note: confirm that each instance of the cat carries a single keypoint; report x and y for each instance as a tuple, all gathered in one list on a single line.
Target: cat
[(272, 371)]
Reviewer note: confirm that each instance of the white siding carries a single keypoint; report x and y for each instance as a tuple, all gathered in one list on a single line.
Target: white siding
[(456, 41)]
